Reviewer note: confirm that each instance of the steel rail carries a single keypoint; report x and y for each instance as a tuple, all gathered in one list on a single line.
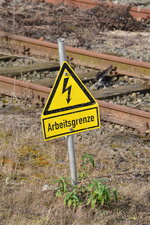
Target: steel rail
[(23, 45), (137, 12), (109, 112)]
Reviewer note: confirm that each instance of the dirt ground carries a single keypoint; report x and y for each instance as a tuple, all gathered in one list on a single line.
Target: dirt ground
[(24, 17), (28, 163)]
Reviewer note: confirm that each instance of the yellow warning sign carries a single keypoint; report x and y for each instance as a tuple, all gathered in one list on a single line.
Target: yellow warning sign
[(70, 107)]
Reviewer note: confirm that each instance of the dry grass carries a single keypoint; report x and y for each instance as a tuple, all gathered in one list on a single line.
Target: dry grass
[(28, 163)]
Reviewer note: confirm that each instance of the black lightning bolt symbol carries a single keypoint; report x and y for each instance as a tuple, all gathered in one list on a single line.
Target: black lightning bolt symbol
[(67, 89)]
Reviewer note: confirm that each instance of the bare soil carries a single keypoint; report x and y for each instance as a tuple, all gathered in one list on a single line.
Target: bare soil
[(43, 19)]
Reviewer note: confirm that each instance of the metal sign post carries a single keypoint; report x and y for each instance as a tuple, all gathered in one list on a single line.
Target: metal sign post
[(70, 109), (70, 141)]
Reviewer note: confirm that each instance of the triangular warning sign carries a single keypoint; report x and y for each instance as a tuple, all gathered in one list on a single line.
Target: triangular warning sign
[(68, 93), (70, 107)]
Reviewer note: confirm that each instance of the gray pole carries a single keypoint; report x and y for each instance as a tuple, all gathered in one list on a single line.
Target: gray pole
[(70, 142), (72, 159), (61, 49)]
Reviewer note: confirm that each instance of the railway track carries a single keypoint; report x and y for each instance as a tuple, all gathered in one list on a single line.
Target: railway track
[(137, 12), (109, 112), (37, 94), (20, 45)]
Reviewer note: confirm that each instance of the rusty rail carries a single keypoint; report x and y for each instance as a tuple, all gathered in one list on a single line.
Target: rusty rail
[(109, 112), (23, 45)]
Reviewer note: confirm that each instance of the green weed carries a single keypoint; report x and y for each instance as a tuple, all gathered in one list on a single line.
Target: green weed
[(92, 193), (99, 194), (72, 198), (86, 159), (62, 186)]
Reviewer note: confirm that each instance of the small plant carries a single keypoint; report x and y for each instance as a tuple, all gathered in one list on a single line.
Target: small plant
[(99, 194), (62, 186), (94, 193), (72, 198), (86, 159)]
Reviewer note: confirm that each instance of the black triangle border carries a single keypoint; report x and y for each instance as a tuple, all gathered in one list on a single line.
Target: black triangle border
[(68, 68)]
